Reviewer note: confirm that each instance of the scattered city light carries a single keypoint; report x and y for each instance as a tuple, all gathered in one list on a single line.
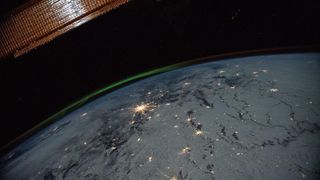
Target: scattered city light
[(132, 122), (198, 132), (150, 158), (185, 150), (274, 90), (141, 109), (173, 178), (84, 114)]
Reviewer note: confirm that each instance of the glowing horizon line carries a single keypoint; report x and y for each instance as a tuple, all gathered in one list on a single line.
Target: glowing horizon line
[(90, 97)]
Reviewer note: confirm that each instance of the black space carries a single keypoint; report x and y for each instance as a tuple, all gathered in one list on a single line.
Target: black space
[(141, 36)]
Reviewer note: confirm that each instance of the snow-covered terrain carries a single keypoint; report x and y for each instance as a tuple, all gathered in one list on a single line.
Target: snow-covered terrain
[(246, 118)]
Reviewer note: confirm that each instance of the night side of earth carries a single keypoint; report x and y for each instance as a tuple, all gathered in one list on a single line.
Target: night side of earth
[(255, 117)]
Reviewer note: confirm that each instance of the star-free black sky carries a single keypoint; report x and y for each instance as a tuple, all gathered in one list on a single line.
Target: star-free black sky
[(140, 36)]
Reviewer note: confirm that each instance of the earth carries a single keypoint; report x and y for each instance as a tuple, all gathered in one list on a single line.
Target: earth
[(255, 117)]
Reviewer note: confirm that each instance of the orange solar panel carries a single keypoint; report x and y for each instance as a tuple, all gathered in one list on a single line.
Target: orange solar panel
[(39, 21)]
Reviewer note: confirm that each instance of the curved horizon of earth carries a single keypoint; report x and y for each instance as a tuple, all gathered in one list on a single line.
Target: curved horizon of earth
[(255, 117)]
